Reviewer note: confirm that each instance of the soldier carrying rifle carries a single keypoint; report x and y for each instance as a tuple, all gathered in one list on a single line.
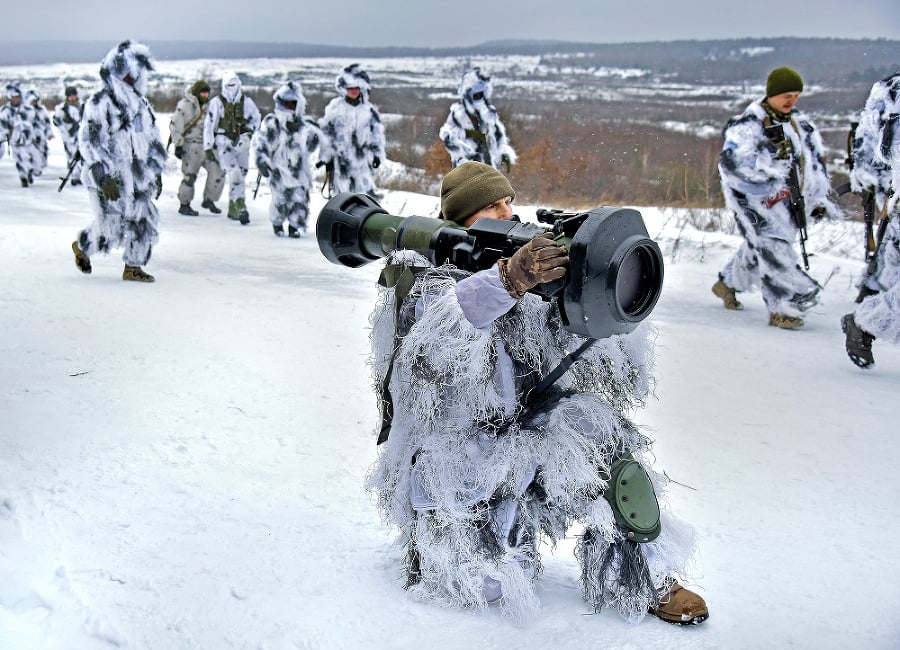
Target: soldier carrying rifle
[(876, 173), (773, 177)]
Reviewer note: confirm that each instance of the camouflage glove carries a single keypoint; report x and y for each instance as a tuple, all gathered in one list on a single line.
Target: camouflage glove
[(108, 185), (540, 260), (211, 156), (179, 152), (263, 169), (475, 134)]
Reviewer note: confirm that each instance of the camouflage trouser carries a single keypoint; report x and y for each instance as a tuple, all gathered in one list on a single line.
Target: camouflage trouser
[(879, 314), (192, 162), (235, 165), (772, 265), (119, 224), (26, 157), (289, 203)]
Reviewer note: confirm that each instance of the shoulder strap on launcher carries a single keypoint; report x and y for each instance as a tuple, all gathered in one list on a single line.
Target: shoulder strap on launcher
[(401, 278)]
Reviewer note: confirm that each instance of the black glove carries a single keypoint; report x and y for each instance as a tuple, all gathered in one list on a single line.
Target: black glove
[(376, 162), (818, 213), (211, 156), (179, 152), (264, 169), (158, 185), (292, 126), (504, 160), (540, 260)]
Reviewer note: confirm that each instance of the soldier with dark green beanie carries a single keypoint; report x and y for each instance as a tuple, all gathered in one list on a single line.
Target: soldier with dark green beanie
[(471, 479), (186, 129), (766, 147)]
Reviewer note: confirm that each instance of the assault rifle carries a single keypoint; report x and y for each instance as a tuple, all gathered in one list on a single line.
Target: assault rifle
[(258, 181), (796, 202), (75, 160)]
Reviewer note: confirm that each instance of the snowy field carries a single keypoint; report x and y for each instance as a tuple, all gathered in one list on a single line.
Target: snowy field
[(182, 463)]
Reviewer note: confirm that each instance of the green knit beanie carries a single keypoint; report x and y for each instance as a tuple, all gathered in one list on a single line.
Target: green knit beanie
[(199, 86), (783, 80), (470, 187)]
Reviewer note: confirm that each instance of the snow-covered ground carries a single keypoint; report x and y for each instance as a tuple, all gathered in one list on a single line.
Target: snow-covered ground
[(182, 463)]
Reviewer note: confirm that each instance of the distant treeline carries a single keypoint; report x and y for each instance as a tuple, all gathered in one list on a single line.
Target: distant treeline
[(822, 60)]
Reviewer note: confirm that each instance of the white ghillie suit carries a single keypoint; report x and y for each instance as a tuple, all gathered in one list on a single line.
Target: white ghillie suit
[(472, 480), (755, 172), (119, 139), (17, 128), (186, 128), (876, 167), (354, 135), (67, 118), (474, 130), (283, 147), (230, 122), (43, 132)]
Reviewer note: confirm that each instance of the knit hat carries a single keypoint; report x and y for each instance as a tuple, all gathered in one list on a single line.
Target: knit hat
[(199, 86), (71, 90), (783, 80), (470, 187)]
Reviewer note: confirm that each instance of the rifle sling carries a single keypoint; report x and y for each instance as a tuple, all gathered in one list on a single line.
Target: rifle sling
[(401, 278)]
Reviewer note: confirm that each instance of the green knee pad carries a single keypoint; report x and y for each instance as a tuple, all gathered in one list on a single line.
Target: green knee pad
[(633, 500)]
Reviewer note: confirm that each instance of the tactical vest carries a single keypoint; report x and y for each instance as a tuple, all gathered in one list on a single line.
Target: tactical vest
[(233, 122)]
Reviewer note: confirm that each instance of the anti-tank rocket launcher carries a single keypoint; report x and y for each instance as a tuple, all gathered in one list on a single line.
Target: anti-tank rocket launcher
[(615, 270)]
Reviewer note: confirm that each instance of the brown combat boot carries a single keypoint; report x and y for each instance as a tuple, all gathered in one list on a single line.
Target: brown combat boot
[(136, 274), (785, 322), (82, 261), (726, 293), (681, 606)]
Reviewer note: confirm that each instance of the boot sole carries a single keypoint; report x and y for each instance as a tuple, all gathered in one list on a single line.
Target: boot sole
[(696, 620)]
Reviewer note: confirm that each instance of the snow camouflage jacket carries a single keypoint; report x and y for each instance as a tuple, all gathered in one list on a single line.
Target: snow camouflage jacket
[(66, 118), (874, 138), (471, 479), (118, 138), (17, 124), (188, 113), (354, 135), (286, 141), (474, 130), (42, 120), (752, 171), (230, 117)]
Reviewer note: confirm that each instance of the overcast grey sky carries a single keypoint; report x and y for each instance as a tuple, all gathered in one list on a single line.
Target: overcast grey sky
[(429, 23)]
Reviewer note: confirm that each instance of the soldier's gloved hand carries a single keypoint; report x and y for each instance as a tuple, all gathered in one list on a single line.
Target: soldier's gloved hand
[(504, 159), (211, 155), (818, 213), (475, 134), (540, 260), (158, 185), (376, 162), (108, 185), (179, 152), (264, 169)]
